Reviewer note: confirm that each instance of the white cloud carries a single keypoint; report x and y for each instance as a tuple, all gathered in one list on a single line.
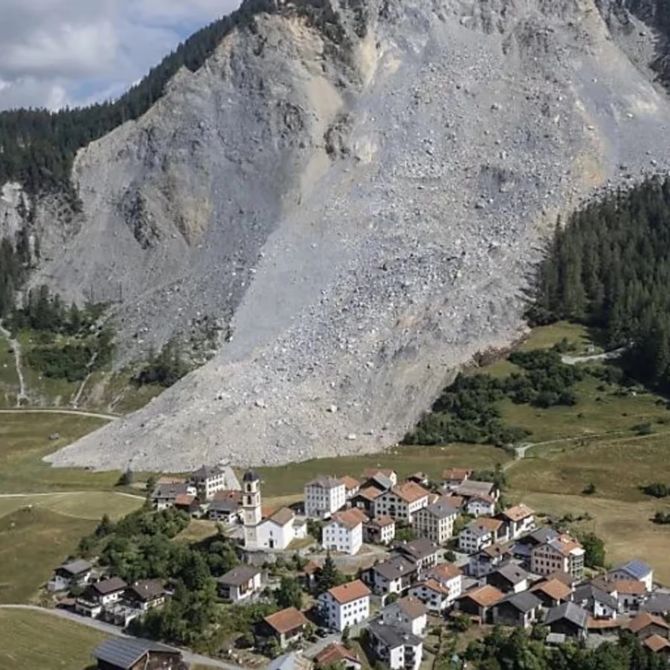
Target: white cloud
[(58, 52)]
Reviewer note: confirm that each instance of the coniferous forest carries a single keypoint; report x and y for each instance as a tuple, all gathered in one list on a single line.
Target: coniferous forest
[(609, 267)]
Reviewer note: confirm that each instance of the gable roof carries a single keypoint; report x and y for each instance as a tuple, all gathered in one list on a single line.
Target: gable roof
[(170, 489), (568, 611), (656, 643), (333, 654), (76, 567), (471, 488), (282, 516), (484, 596), (286, 620), (148, 589), (293, 660), (382, 521), (228, 494), (523, 602), (325, 482), (554, 588), (207, 471), (590, 593), (409, 492), (184, 499), (410, 606), (346, 593), (512, 572), (440, 509), (417, 549), (369, 493), (645, 619), (659, 603), (518, 512), (564, 544), (636, 569), (228, 505), (370, 473), (456, 474), (395, 567), (239, 575), (125, 652), (433, 585), (631, 587), (350, 518), (496, 550), (350, 483), (107, 586), (393, 636), (444, 571)]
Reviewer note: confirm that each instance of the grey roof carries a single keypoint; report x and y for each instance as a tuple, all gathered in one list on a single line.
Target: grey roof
[(588, 593), (223, 506), (206, 471), (392, 636), (76, 567), (125, 652), (524, 602), (477, 530), (417, 549), (441, 510), (659, 603), (636, 569), (512, 572), (470, 488), (568, 611), (325, 482), (147, 589), (383, 481), (170, 490), (395, 567), (542, 535), (239, 575), (292, 661), (110, 585)]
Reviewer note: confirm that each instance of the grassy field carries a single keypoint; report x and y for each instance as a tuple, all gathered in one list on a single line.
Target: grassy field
[(24, 441), (624, 526), (290, 479), (36, 641)]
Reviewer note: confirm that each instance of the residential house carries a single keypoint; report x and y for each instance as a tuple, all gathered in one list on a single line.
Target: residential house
[(449, 576), (344, 531), (645, 625), (208, 480), (226, 511), (562, 553), (519, 520), (488, 559), (395, 647), (436, 521), (380, 530), (100, 595), (308, 575), (388, 474), (70, 574), (524, 545), (408, 613), (630, 593), (552, 592), (481, 505), (455, 477), (433, 595), (394, 575), (478, 602), (518, 609), (478, 534), (658, 645), (286, 626), (336, 655), (509, 578), (567, 619), (402, 502), (421, 551), (324, 496), (345, 606), (240, 583), (657, 603), (187, 503), (471, 488), (598, 603), (146, 594), (365, 499), (637, 570), (293, 660), (166, 493), (129, 653), (351, 486)]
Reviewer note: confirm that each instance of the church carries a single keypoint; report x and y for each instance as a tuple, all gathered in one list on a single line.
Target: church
[(274, 531)]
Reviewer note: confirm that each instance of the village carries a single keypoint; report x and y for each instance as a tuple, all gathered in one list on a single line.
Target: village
[(387, 563)]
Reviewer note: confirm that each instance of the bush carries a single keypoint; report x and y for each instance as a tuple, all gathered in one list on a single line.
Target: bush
[(656, 490)]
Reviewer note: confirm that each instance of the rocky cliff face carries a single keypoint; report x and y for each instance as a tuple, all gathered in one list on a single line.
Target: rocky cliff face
[(357, 190)]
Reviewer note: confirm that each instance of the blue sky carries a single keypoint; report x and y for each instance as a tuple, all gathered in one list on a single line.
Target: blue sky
[(71, 52)]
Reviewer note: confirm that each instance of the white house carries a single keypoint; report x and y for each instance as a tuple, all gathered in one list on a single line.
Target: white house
[(393, 576), (240, 583), (100, 595), (324, 496), (481, 505), (402, 502), (165, 493), (477, 535), (208, 480), (560, 554), (432, 594), (380, 530), (351, 486), (344, 531), (450, 577), (395, 647), (409, 614), (73, 573), (471, 488), (386, 473), (636, 570), (436, 521), (519, 519), (454, 477), (345, 605)]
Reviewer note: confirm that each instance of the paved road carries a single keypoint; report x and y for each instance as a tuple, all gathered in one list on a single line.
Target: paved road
[(103, 627), (54, 410)]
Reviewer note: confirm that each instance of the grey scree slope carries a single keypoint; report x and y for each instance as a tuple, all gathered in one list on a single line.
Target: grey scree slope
[(366, 215)]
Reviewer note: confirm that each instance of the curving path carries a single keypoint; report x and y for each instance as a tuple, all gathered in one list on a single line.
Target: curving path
[(103, 627), (56, 410)]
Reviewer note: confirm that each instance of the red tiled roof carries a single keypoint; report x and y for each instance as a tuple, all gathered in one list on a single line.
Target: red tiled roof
[(286, 620), (349, 482), (334, 654), (555, 589), (657, 643), (349, 592), (485, 596), (456, 474), (518, 512), (645, 619), (184, 499), (410, 492), (445, 571), (349, 518)]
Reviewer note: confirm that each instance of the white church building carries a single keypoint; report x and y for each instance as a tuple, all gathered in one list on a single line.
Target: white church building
[(275, 531)]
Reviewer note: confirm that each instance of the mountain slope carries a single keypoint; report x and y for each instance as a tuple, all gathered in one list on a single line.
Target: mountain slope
[(358, 195)]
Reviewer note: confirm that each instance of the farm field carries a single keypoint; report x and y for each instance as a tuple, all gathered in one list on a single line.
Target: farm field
[(29, 640)]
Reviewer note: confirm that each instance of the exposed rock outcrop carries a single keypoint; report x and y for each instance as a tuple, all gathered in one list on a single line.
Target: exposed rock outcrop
[(363, 187)]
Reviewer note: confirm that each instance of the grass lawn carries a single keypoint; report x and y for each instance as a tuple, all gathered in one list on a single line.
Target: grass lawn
[(37, 641), (24, 441), (291, 479), (545, 337), (624, 526), (197, 531), (617, 467), (32, 543)]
